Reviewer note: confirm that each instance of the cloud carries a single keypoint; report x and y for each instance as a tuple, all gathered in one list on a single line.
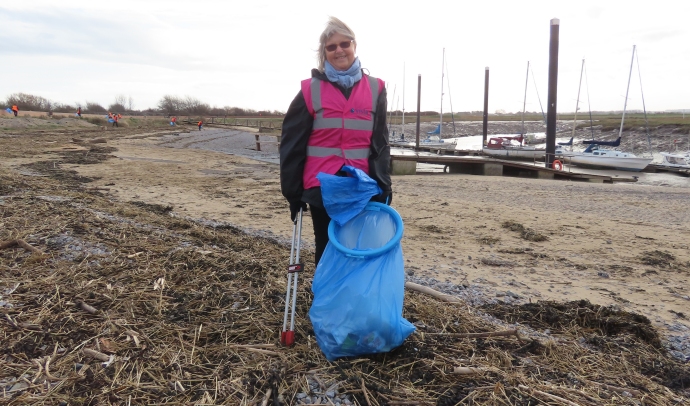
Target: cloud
[(118, 37), (659, 35)]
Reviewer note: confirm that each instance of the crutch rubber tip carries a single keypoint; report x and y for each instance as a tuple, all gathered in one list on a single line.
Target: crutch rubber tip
[(287, 338)]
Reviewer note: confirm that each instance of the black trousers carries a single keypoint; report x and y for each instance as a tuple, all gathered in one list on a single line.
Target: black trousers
[(321, 220)]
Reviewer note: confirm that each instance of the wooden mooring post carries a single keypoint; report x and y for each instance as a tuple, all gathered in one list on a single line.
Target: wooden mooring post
[(258, 144), (551, 112)]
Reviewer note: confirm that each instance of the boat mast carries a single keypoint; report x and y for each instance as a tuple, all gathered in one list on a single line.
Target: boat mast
[(625, 104), (440, 123), (390, 113), (524, 101), (450, 100), (536, 90), (402, 131), (644, 108), (589, 108), (577, 102)]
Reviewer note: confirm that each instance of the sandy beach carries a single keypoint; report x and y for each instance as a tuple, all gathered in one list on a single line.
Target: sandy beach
[(622, 244), (147, 263)]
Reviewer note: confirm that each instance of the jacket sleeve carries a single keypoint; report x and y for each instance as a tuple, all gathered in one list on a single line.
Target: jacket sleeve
[(297, 127), (380, 158)]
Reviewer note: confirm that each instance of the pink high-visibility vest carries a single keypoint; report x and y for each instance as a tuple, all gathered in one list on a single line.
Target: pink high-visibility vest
[(341, 134)]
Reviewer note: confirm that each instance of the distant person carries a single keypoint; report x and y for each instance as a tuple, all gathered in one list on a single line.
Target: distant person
[(321, 135), (115, 120), (15, 109), (199, 124), (173, 121), (79, 111)]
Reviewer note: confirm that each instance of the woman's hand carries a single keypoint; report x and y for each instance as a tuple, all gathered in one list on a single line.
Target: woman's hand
[(385, 197), (294, 209)]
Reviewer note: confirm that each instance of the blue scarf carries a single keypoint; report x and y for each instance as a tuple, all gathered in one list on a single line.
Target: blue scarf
[(345, 78)]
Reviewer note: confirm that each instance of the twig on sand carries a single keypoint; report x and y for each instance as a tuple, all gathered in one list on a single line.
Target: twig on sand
[(260, 351), (267, 397), (431, 292), (252, 346), (548, 395), (87, 308), (615, 388), (480, 335), (19, 243), (366, 394), (469, 370)]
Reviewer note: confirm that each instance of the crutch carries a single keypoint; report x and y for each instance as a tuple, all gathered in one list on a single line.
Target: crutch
[(287, 337)]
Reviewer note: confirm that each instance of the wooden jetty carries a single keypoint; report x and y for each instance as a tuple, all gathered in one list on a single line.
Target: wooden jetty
[(654, 168), (479, 165)]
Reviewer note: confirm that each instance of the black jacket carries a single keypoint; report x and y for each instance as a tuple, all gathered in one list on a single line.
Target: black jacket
[(297, 127)]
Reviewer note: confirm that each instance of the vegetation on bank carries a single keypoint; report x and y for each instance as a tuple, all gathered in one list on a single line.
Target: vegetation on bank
[(168, 105), (677, 123)]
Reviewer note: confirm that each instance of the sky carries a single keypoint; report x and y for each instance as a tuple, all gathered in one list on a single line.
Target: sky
[(253, 54)]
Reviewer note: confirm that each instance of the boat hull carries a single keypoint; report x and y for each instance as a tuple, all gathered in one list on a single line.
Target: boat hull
[(609, 162), (515, 153), (678, 161)]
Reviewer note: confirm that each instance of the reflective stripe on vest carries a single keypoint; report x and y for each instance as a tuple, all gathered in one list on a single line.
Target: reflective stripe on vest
[(321, 152), (342, 127), (321, 123)]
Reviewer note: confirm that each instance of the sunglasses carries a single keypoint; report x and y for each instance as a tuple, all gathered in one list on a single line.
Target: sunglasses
[(343, 45)]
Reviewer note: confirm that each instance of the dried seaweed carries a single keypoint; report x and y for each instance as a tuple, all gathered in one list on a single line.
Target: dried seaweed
[(133, 306)]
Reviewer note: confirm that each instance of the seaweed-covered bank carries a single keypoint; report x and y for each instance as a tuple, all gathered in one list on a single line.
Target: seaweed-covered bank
[(136, 300)]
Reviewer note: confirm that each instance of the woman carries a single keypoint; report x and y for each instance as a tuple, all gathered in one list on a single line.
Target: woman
[(337, 119)]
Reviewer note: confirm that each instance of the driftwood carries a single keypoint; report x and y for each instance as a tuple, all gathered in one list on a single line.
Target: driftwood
[(496, 262), (21, 244), (96, 354), (87, 308), (468, 370), (267, 397), (431, 292)]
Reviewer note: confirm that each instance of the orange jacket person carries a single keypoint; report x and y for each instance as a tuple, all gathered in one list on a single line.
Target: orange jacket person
[(199, 124), (79, 112), (15, 109), (115, 118)]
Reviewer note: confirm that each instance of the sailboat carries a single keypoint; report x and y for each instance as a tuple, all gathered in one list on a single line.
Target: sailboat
[(671, 160), (598, 157), (512, 146), (434, 138)]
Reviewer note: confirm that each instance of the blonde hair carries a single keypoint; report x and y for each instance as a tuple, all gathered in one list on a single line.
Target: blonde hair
[(333, 26)]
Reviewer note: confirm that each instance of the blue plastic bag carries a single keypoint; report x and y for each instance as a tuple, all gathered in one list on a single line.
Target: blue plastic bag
[(359, 286), (9, 110), (345, 196)]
